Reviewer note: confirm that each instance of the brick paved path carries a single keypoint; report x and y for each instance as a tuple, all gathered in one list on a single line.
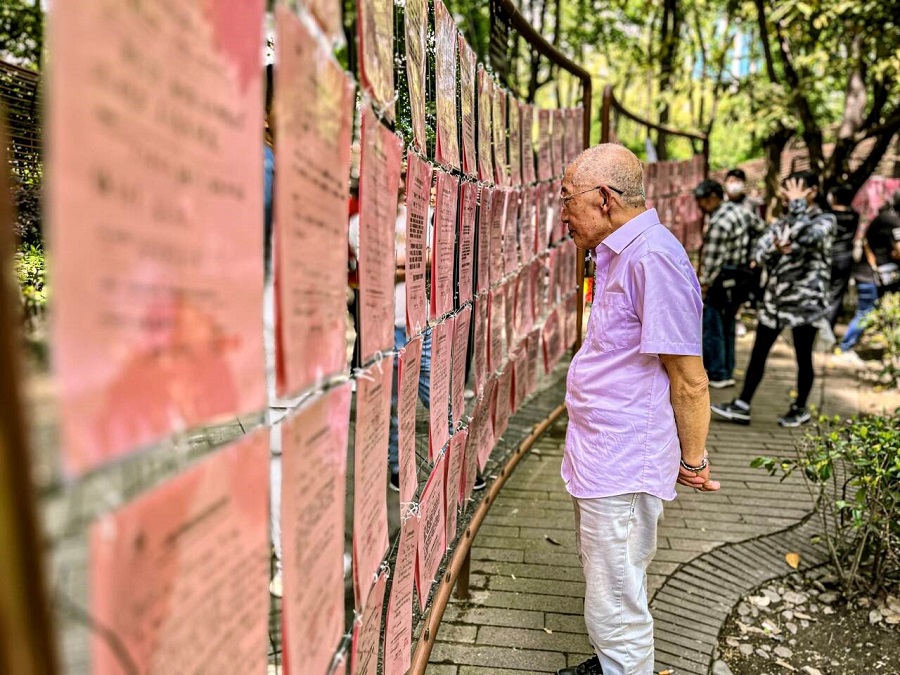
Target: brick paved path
[(525, 612)]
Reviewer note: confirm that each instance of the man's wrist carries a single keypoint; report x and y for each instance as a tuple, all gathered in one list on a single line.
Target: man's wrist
[(691, 463)]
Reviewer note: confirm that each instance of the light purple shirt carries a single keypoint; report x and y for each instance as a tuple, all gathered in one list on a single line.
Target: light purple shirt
[(622, 436)]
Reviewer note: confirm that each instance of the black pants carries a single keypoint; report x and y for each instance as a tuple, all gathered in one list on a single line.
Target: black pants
[(804, 339)]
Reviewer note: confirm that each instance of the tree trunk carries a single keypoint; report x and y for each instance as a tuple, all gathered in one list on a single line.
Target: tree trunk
[(774, 146)]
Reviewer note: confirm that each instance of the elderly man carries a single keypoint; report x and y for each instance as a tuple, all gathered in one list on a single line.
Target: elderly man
[(637, 399)]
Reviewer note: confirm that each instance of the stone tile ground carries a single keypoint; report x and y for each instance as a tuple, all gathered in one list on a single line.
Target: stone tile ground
[(525, 610)]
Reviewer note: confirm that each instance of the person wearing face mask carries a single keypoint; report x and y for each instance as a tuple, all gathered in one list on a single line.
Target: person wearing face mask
[(736, 191), (796, 251)]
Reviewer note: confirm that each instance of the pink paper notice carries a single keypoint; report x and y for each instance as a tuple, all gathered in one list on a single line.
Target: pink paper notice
[(379, 181), (483, 443), (511, 234), (480, 348), (501, 161), (485, 130), (520, 377), (467, 105), (314, 106), (376, 49), (553, 339), (156, 206), (533, 360), (498, 223), (370, 525), (468, 202), (445, 48), (485, 225), (418, 195), (470, 466), (187, 561), (408, 388), (432, 532), (439, 410), (455, 460), (504, 392), (526, 229), (545, 160), (570, 321), (512, 333), (497, 329), (313, 486), (416, 25), (443, 248), (462, 322), (515, 141), (367, 634), (398, 624), (527, 115)]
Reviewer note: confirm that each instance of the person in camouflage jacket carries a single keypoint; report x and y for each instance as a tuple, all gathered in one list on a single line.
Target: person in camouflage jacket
[(796, 252)]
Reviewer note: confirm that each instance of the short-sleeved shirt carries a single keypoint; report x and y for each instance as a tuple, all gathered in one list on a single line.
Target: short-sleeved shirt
[(622, 436)]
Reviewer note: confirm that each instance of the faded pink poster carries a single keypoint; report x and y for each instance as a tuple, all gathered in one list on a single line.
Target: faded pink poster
[(468, 198), (545, 161), (379, 182), (408, 393), (520, 377), (511, 234), (418, 196), (512, 335), (467, 106), (313, 488), (445, 47), (367, 633), (398, 622), (156, 210), (504, 392), (527, 121), (439, 410), (524, 318), (186, 563), (526, 225), (416, 24), (470, 467), (485, 225), (480, 346), (376, 52), (515, 141), (501, 159), (432, 539), (552, 337), (328, 15), (570, 321), (443, 246), (497, 329), (462, 322), (484, 418), (533, 359), (370, 524), (498, 224), (541, 281), (485, 129), (559, 142), (455, 460), (314, 116)]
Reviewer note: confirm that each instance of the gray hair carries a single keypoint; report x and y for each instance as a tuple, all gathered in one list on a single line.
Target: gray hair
[(615, 165)]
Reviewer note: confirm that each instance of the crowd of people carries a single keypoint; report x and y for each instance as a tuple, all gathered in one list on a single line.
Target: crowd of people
[(795, 273)]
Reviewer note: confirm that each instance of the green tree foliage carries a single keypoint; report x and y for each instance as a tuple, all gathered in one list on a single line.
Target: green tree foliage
[(21, 32)]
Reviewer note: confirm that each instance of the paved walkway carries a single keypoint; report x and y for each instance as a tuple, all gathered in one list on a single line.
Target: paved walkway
[(525, 611)]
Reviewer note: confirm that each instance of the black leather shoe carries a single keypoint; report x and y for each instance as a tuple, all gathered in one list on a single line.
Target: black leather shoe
[(589, 667)]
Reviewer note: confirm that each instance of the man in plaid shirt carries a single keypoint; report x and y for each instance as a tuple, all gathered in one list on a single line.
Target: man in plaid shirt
[(726, 247)]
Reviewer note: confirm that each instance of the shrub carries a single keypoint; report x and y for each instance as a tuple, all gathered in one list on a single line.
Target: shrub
[(27, 201), (852, 469), (886, 320), (30, 273)]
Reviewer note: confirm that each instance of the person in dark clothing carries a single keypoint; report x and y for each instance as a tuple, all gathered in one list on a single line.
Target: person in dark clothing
[(797, 254), (876, 272), (847, 224)]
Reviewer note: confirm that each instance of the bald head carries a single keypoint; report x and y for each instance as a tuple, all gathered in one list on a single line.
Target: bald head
[(613, 165)]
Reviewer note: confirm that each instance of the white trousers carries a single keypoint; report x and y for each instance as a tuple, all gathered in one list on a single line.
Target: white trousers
[(616, 540)]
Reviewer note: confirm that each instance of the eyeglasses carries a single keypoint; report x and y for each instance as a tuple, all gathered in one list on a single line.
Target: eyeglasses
[(565, 199)]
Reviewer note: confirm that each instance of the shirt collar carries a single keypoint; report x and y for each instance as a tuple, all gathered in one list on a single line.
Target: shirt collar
[(621, 238)]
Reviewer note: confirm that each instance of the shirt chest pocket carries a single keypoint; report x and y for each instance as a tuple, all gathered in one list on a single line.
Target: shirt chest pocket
[(616, 326)]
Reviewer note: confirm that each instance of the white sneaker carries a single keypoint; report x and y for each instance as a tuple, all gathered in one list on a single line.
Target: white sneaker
[(469, 394), (849, 358), (722, 384), (275, 587), (740, 330)]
